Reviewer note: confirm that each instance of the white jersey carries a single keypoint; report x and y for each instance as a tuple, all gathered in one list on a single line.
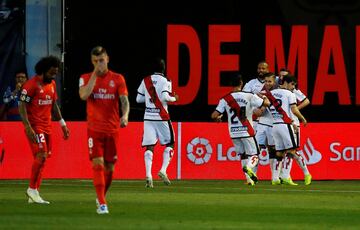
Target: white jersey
[(284, 99), (161, 88), (246, 102), (300, 97), (254, 86)]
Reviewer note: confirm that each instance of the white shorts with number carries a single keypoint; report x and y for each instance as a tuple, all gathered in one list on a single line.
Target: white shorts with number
[(284, 137), (264, 135), (158, 130), (246, 145)]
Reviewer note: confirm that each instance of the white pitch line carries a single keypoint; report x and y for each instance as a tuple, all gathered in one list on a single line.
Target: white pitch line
[(192, 187)]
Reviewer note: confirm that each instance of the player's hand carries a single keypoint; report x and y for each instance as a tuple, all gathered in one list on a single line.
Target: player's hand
[(176, 96), (30, 133), (123, 122), (304, 121), (66, 132), (296, 129), (218, 118)]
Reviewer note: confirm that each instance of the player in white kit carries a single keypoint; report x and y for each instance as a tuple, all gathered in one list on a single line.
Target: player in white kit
[(239, 106), (302, 101), (255, 86), (283, 107), (264, 132), (156, 91)]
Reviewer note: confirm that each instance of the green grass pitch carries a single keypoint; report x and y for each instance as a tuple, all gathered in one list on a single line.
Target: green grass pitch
[(194, 204)]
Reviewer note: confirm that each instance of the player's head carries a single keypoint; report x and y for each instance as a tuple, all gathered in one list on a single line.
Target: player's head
[(237, 81), (21, 77), (48, 68), (283, 72), (289, 82), (262, 68), (100, 59), (270, 80), (158, 65)]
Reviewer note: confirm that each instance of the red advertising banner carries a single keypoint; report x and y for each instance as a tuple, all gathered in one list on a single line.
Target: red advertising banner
[(70, 158), (205, 151), (330, 150)]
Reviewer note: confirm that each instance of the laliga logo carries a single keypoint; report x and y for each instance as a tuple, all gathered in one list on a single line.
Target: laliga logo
[(199, 150), (310, 154)]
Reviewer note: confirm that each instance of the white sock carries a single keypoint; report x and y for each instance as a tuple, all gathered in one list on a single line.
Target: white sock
[(252, 161), (275, 166), (287, 164), (300, 161), (244, 163), (148, 157), (167, 155)]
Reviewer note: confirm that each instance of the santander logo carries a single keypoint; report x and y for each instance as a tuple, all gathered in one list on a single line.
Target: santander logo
[(309, 153)]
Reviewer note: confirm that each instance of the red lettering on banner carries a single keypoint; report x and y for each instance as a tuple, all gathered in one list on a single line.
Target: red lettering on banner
[(298, 51), (337, 82), (184, 34), (218, 62)]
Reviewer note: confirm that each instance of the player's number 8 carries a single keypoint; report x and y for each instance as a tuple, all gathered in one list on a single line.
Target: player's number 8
[(90, 142)]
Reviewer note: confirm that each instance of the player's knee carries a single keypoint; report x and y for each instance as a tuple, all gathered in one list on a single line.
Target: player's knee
[(279, 156), (243, 156), (150, 148), (272, 152), (148, 155)]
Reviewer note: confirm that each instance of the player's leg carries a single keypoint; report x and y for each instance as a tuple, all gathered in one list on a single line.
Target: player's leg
[(39, 150), (301, 162), (165, 133), (252, 151), (261, 139), (239, 149), (149, 140), (148, 158), (285, 170), (96, 152), (287, 164), (110, 156)]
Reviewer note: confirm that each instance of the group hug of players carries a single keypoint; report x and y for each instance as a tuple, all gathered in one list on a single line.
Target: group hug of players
[(265, 113)]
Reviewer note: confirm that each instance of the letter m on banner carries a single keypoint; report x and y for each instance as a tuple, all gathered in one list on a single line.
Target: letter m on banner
[(298, 51)]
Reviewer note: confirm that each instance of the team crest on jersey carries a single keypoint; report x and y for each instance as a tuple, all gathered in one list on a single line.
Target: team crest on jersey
[(112, 83)]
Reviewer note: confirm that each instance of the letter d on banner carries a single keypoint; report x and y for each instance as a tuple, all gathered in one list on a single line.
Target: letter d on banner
[(177, 35)]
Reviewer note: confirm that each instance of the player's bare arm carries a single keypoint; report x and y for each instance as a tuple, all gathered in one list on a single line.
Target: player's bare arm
[(58, 117), (30, 133), (216, 116), (125, 109), (303, 104), (296, 112)]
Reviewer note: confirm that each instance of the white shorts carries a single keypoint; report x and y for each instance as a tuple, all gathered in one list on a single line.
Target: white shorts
[(264, 135), (246, 145), (284, 137), (158, 130)]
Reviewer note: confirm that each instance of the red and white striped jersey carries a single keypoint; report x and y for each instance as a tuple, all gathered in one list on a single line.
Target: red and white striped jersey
[(154, 90), (239, 107), (281, 101)]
